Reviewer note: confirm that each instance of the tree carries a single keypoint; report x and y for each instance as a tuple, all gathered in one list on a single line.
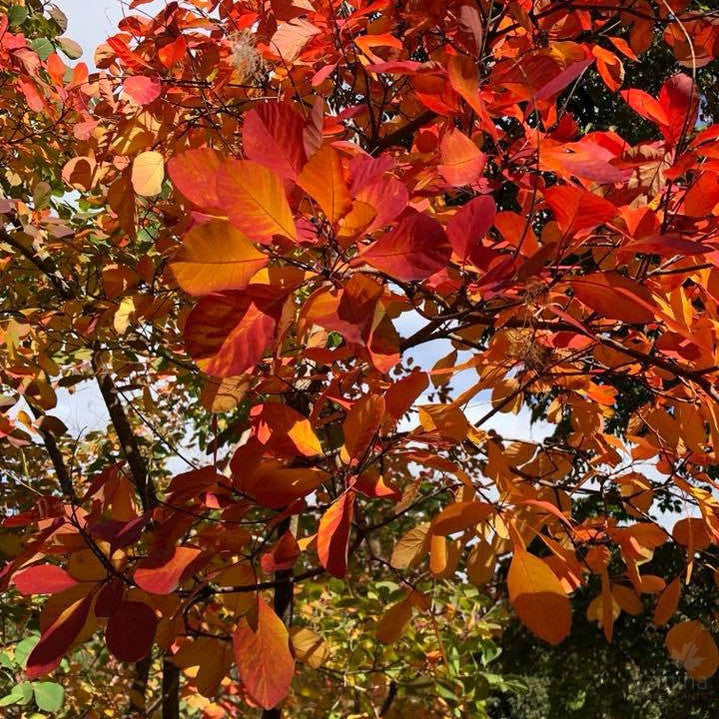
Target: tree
[(274, 209)]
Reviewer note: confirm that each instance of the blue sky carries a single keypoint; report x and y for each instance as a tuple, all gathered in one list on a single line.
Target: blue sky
[(92, 21)]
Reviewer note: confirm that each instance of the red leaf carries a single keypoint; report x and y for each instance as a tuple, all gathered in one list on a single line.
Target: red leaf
[(142, 89), (333, 535), (56, 641), (130, 631), (128, 57), (576, 209), (678, 98), (282, 556), (416, 249), (615, 296), (43, 579), (164, 575), (272, 135), (468, 227), (263, 657), (194, 174), (645, 105), (173, 52)]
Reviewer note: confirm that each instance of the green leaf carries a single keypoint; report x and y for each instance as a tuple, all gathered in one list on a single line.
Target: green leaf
[(43, 47), (49, 696), (23, 649), (17, 15), (6, 660), (20, 694)]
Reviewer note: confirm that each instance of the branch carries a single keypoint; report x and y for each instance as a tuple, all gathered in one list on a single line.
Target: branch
[(45, 266), (128, 441)]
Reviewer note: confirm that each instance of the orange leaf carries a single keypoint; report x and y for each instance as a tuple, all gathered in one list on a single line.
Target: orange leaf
[(214, 257), (323, 180), (264, 661), (194, 174), (362, 424), (333, 535), (254, 199), (460, 516), (692, 646), (462, 161), (668, 603), (538, 597)]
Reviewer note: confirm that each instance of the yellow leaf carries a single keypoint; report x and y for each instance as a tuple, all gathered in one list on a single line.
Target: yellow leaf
[(309, 647), (148, 173), (538, 597), (480, 563), (411, 548)]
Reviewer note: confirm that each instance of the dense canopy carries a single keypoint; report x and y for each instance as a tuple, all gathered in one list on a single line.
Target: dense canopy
[(322, 263)]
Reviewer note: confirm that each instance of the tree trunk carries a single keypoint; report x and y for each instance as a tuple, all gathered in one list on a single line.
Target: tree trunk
[(170, 690), (283, 604)]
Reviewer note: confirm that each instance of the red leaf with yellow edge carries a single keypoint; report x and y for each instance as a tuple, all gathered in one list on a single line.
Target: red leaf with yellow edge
[(43, 579), (227, 334), (333, 535), (538, 597), (130, 631), (214, 257), (254, 199), (416, 248), (273, 136), (164, 574), (57, 639), (194, 174), (264, 661), (691, 645), (462, 161), (322, 178)]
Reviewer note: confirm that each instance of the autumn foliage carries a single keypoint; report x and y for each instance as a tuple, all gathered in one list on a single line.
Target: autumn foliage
[(249, 228)]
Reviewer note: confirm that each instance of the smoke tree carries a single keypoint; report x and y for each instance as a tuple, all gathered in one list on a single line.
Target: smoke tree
[(249, 227)]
